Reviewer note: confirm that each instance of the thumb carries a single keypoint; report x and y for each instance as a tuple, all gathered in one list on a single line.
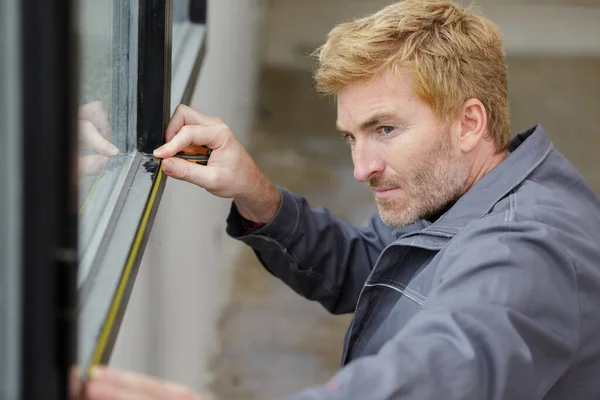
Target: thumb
[(199, 175)]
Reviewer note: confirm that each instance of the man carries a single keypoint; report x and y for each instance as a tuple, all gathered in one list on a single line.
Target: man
[(480, 276)]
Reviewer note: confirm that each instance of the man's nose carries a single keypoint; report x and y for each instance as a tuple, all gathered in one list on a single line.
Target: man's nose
[(366, 162)]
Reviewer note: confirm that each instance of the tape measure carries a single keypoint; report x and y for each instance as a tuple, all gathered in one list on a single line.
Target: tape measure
[(195, 154)]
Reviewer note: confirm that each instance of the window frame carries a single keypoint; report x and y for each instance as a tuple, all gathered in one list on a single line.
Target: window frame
[(52, 304), (106, 293), (49, 197)]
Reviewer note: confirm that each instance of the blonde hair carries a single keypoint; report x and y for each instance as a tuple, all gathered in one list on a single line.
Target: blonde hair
[(452, 53)]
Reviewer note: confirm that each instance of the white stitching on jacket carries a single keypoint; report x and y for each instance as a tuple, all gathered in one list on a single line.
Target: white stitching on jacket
[(404, 292)]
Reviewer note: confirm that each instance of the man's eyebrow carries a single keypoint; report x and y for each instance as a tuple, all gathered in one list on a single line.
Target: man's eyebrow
[(372, 121), (340, 128)]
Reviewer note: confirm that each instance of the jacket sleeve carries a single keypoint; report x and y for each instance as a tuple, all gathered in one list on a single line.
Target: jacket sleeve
[(319, 256), (503, 323)]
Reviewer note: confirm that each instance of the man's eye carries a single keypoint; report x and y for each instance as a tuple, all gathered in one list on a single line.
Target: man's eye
[(386, 130), (348, 138)]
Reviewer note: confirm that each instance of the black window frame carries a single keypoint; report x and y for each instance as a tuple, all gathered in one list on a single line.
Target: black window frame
[(49, 198)]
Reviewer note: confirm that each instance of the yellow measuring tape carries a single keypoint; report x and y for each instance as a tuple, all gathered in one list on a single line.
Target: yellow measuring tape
[(118, 297)]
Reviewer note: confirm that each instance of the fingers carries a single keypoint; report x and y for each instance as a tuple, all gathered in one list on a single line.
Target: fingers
[(183, 170), (108, 384), (91, 138), (96, 113), (185, 115), (212, 136)]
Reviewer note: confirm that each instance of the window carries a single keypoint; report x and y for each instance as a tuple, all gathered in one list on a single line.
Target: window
[(106, 125), (139, 60), (85, 95), (189, 31)]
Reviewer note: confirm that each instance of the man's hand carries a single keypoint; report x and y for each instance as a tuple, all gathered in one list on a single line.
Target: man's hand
[(94, 136), (230, 173), (109, 384)]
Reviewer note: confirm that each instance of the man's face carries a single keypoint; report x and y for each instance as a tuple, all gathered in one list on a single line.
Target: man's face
[(405, 154)]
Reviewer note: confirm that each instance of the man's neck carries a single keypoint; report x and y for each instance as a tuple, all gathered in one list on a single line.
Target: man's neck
[(484, 164)]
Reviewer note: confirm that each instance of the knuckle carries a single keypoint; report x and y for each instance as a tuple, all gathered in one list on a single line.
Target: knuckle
[(88, 131), (184, 171), (181, 108), (223, 127), (187, 133), (85, 124), (224, 132), (184, 131)]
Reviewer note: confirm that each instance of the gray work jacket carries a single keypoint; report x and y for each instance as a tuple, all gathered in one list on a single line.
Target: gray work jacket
[(497, 299)]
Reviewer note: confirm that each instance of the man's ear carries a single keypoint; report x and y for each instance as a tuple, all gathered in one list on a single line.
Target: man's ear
[(471, 124)]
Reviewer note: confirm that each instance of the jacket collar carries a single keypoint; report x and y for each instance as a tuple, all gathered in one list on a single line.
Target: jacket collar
[(527, 151)]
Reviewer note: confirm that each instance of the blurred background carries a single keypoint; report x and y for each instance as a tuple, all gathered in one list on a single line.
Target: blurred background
[(203, 311)]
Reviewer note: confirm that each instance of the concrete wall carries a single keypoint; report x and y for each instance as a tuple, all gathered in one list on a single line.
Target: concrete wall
[(566, 28), (561, 93), (553, 55), (169, 326)]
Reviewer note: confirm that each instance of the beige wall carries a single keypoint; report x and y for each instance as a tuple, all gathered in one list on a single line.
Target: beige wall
[(563, 94)]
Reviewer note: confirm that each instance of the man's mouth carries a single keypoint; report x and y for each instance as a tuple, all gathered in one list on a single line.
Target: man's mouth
[(385, 193)]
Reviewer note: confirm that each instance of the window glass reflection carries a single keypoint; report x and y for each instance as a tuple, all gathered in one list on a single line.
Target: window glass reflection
[(106, 122)]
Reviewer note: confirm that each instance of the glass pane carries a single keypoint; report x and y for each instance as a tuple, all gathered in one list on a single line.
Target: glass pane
[(108, 66), (10, 212), (180, 11), (180, 27), (187, 50)]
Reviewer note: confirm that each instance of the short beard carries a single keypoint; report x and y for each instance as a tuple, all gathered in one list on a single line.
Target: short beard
[(428, 188)]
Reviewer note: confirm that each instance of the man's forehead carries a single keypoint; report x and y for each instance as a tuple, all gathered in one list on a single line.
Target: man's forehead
[(383, 97), (366, 120)]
